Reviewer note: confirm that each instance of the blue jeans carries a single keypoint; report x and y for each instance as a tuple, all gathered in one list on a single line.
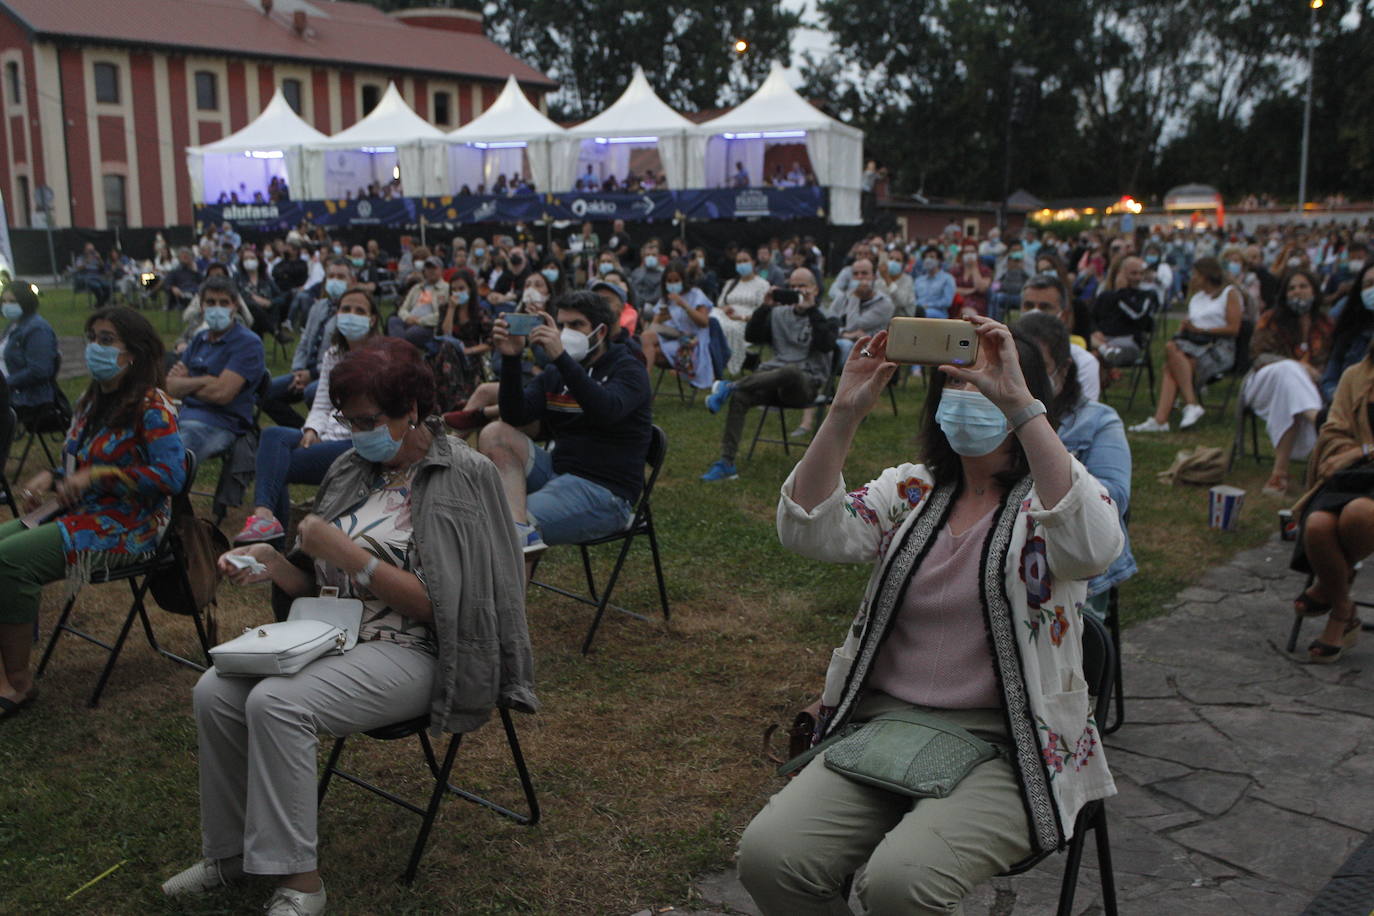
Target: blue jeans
[(204, 440), (845, 345), (280, 397), (568, 509), (281, 461)]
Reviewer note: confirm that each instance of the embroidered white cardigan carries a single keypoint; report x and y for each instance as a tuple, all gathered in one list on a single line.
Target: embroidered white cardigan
[(1035, 568)]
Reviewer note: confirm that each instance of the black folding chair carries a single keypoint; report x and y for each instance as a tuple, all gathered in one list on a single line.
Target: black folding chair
[(1099, 664), (641, 524), (47, 420), (441, 771), (1143, 365), (677, 377), (8, 424), (1113, 621), (1234, 376), (167, 557)]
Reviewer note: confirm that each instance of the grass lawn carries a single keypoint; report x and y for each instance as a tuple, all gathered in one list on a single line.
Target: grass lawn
[(646, 755)]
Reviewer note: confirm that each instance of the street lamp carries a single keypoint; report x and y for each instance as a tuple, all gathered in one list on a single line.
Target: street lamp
[(1307, 106)]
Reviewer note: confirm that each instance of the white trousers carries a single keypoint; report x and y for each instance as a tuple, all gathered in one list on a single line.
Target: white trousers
[(1280, 393), (258, 740), (734, 338)]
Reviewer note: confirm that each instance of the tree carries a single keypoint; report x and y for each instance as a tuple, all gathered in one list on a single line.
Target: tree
[(686, 49)]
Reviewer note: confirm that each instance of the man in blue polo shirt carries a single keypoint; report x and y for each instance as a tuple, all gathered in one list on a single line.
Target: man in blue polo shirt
[(934, 286), (216, 376)]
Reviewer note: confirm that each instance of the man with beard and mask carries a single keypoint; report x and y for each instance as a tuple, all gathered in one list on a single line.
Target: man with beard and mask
[(595, 400), (216, 375), (647, 278), (1124, 316)]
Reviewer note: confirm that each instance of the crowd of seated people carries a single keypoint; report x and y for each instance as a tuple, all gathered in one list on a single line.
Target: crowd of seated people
[(632, 183), (276, 191)]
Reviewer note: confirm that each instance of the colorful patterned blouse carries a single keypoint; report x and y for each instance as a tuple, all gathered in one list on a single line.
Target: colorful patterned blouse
[(135, 471)]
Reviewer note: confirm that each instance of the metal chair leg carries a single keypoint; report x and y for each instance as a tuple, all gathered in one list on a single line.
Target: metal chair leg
[(606, 594), (758, 431), (432, 809), (1118, 688), (57, 631), (658, 564), (330, 768), (782, 432), (1069, 887), (114, 654), (1104, 861), (1292, 634)]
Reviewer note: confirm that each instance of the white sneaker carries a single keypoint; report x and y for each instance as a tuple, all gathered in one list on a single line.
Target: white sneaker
[(1191, 414), (205, 875), (286, 902), (1149, 426)]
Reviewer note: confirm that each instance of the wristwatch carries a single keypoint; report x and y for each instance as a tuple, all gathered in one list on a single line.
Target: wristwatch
[(364, 575), (1025, 414)]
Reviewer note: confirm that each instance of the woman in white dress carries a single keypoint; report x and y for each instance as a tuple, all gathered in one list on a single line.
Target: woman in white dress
[(680, 318), (737, 302)]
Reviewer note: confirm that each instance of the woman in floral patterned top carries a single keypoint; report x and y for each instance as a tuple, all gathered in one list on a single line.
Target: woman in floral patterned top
[(122, 461), (973, 615)]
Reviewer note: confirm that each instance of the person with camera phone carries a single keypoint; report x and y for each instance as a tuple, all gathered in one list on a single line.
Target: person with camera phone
[(970, 626), (803, 342)]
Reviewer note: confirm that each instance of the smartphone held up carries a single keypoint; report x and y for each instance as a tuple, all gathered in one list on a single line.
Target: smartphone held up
[(932, 342)]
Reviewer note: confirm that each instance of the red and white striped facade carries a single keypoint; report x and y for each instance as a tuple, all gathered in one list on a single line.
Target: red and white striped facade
[(58, 134)]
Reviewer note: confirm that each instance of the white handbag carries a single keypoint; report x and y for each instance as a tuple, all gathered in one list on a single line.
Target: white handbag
[(327, 625)]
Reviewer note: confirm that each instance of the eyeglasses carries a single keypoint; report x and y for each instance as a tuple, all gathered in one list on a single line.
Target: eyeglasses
[(363, 424)]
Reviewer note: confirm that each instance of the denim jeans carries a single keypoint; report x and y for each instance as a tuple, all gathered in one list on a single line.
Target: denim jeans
[(281, 461), (568, 509), (204, 440), (280, 397)]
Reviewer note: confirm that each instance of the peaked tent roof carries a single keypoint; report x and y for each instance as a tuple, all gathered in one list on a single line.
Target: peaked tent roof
[(638, 111), (391, 123), (277, 127), (511, 117), (340, 33), (775, 105)]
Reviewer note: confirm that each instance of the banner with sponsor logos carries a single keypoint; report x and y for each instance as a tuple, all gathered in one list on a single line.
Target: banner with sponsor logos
[(651, 206)]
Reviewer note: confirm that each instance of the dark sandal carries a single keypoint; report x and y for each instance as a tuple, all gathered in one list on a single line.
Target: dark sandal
[(10, 708), (1323, 653), (1306, 606)]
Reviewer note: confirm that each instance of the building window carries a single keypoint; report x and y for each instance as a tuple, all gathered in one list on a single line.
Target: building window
[(116, 214), (207, 91), (291, 89), (443, 108), (12, 81), (25, 203), (372, 94), (106, 83)]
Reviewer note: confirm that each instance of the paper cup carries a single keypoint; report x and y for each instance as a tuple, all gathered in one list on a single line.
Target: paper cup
[(1288, 526), (1223, 507)]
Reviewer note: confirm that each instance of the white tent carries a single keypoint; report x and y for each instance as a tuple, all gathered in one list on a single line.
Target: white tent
[(269, 146), (511, 137), (777, 114), (639, 119), (390, 138)]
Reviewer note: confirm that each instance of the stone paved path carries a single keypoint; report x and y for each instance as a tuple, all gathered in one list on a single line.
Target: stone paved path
[(1245, 778)]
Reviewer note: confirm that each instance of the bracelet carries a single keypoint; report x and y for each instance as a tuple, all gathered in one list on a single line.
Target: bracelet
[(1024, 415), (364, 575)]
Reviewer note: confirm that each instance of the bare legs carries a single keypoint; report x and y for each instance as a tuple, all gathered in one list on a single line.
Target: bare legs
[(649, 342), (1278, 476), (1334, 544), (1177, 381), (509, 449), (16, 642)]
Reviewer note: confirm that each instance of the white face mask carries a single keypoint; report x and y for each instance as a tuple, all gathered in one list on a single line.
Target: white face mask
[(577, 344)]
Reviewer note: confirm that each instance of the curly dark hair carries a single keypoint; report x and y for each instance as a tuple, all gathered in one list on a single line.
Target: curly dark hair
[(123, 406)]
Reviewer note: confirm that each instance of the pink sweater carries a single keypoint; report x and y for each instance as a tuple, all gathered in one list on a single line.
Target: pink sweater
[(937, 652)]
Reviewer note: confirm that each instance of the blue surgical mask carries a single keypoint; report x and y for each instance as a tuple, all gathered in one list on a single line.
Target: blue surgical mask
[(1367, 297), (1300, 305), (1152, 259), (651, 262), (744, 269), (334, 287), (102, 361), (353, 327), (376, 444), (930, 264), (894, 267), (12, 310), (1234, 268), (674, 288), (462, 297), (218, 317), (479, 252), (550, 274), (973, 425), (357, 262), (605, 267)]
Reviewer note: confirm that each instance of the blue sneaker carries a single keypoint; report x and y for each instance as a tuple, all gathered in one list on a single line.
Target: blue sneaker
[(721, 470), (720, 393), (528, 536)]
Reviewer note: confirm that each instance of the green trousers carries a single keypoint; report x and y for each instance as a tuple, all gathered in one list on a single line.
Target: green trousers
[(923, 856), (29, 559)]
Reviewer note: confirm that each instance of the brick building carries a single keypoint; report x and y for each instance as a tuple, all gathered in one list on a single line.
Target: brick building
[(100, 98)]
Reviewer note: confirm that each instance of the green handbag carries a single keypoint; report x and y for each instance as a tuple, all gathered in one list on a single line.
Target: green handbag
[(905, 751)]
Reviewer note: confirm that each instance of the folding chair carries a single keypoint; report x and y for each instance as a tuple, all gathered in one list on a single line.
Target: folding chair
[(8, 423), (821, 402), (1244, 417), (641, 524), (167, 556), (1113, 621), (441, 773), (681, 392), (1236, 374), (1099, 664), (1143, 365), (48, 420)]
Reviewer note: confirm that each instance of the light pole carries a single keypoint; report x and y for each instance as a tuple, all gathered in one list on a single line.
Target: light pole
[(1307, 106)]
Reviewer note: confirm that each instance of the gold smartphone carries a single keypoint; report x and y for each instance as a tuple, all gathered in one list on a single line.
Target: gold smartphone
[(931, 341)]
